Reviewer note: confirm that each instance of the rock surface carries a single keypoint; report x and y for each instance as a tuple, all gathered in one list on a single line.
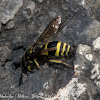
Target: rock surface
[(80, 27), (10, 25), (29, 10), (0, 26), (8, 9)]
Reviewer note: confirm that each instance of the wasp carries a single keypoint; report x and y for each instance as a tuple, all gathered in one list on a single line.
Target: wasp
[(41, 53)]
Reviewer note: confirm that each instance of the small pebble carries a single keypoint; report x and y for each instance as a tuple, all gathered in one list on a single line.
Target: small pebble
[(96, 44), (40, 1), (84, 49), (89, 57)]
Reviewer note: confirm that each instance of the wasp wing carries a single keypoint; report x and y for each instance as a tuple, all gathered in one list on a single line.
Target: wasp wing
[(42, 52), (49, 31), (46, 50), (37, 53)]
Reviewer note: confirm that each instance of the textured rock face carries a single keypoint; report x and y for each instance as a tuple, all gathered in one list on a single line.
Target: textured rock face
[(10, 25), (29, 10), (8, 9), (4, 54), (24, 22), (0, 26)]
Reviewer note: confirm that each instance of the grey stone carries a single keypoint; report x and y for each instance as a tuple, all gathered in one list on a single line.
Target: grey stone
[(83, 49), (29, 10), (40, 1), (89, 57), (74, 89), (92, 7), (10, 25), (0, 26), (96, 45), (8, 9), (87, 3), (64, 7), (5, 53), (52, 14), (92, 31), (89, 60)]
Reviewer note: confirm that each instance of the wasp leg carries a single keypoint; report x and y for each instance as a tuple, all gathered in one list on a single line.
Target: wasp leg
[(61, 62), (38, 67)]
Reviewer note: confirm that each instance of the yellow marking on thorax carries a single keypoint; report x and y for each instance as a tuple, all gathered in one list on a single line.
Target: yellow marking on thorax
[(58, 49), (64, 46), (31, 61), (46, 53), (30, 51), (67, 49), (33, 50)]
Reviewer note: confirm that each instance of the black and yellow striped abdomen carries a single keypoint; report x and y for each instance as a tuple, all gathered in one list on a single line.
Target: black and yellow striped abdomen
[(62, 49)]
